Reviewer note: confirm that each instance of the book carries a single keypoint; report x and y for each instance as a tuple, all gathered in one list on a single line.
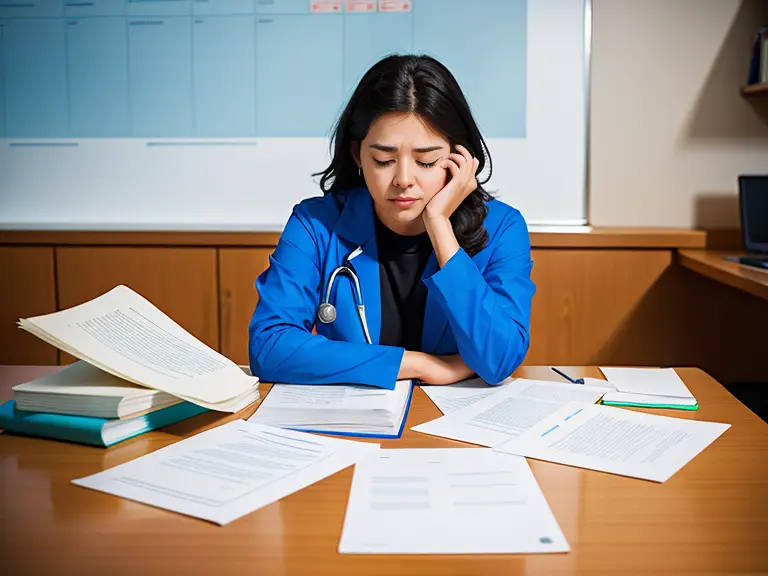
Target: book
[(125, 335), (81, 389), (647, 388), (87, 430), (343, 409), (764, 55)]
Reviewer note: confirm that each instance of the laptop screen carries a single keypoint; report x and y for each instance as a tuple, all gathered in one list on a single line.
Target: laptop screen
[(753, 197)]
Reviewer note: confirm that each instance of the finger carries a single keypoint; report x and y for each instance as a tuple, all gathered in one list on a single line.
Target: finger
[(450, 164), (464, 152), (458, 159)]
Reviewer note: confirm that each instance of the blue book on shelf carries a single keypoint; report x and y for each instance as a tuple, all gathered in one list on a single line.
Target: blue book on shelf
[(95, 431)]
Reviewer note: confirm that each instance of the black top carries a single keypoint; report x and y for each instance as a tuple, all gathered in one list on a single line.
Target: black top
[(402, 260)]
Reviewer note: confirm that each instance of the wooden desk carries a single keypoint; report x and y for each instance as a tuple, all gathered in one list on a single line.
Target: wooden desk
[(711, 517), (712, 264)]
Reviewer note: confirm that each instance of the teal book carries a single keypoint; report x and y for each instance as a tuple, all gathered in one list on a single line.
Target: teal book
[(87, 430)]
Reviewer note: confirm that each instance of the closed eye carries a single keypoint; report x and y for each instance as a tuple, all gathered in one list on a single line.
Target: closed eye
[(383, 162), (426, 164)]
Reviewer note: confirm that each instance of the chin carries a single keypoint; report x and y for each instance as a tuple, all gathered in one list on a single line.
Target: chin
[(409, 215)]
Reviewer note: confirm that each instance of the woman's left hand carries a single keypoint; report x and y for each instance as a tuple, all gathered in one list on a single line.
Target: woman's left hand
[(463, 167)]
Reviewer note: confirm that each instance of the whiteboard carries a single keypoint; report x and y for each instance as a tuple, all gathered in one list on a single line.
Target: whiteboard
[(214, 114)]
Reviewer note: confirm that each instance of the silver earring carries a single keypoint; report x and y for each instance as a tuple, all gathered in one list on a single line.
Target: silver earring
[(359, 171)]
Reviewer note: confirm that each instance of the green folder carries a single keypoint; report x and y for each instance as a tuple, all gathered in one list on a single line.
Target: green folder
[(639, 405)]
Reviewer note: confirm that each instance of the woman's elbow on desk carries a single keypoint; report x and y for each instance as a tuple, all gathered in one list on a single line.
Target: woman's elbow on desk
[(495, 366)]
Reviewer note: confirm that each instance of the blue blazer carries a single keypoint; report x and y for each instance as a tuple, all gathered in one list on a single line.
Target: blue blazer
[(478, 307)]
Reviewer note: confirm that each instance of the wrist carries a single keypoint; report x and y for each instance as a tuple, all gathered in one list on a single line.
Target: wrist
[(413, 365), (440, 231)]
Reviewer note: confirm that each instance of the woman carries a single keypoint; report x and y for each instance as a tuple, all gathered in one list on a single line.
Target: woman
[(406, 268)]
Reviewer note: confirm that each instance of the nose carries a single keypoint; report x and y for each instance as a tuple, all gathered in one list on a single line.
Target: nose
[(403, 176)]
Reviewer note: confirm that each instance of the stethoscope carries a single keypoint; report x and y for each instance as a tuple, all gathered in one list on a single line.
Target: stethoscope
[(326, 312)]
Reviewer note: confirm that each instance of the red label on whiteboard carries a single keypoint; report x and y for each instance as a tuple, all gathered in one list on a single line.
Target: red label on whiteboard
[(395, 5), (325, 6), (361, 5)]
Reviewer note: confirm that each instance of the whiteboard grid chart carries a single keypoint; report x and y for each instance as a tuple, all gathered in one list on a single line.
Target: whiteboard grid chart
[(213, 114)]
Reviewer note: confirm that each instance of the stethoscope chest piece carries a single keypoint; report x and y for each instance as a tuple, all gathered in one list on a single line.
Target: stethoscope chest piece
[(326, 313)]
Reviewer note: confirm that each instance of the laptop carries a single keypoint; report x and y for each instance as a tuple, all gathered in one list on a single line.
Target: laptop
[(753, 205)]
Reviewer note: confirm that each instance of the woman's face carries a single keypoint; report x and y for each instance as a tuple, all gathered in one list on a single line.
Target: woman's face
[(399, 158)]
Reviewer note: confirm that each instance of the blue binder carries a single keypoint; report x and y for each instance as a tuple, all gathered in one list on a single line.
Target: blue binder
[(87, 430)]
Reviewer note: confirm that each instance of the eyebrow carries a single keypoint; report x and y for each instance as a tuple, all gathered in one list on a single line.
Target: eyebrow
[(423, 150)]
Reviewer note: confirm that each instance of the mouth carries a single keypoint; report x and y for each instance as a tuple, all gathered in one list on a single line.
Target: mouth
[(404, 201)]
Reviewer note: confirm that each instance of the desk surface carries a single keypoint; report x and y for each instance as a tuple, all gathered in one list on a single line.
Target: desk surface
[(711, 517), (712, 264)]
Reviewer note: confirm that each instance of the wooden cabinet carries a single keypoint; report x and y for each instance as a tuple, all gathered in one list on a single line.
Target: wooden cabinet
[(179, 281), (238, 269), (27, 289), (600, 306)]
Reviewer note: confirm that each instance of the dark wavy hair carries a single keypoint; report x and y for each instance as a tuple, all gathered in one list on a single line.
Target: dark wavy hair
[(423, 86)]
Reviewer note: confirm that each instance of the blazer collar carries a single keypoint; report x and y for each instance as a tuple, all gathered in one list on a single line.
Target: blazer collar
[(355, 223)]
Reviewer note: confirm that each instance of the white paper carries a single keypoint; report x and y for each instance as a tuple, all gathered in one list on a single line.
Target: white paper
[(615, 440), (599, 382), (509, 412), (342, 408), (229, 471), (124, 334), (447, 501), (649, 381), (455, 396)]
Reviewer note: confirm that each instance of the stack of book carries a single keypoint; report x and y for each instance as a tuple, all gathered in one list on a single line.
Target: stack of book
[(138, 371), (81, 403)]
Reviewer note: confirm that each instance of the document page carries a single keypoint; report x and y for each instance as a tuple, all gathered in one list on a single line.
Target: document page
[(124, 334), (616, 440), (226, 472), (298, 397), (447, 501), (650, 381), (454, 396), (511, 411)]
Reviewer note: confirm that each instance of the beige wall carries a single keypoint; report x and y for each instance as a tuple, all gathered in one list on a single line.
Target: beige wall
[(670, 131)]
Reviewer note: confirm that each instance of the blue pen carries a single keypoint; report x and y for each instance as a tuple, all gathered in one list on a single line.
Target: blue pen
[(564, 375)]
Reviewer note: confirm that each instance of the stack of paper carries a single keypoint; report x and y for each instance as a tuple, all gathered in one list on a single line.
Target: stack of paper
[(447, 501), (648, 388), (350, 410), (508, 412), (124, 334), (81, 389), (614, 440), (226, 472)]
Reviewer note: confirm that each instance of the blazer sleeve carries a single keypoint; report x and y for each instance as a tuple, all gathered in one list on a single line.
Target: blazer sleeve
[(282, 347), (489, 312)]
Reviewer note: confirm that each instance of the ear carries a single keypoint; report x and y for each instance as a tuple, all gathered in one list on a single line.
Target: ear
[(354, 149)]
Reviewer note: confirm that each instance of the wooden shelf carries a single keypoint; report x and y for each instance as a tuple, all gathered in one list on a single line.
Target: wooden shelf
[(541, 237), (755, 89)]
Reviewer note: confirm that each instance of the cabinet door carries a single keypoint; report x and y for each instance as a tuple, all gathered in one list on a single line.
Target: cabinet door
[(179, 281), (238, 269), (26, 289), (601, 306)]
